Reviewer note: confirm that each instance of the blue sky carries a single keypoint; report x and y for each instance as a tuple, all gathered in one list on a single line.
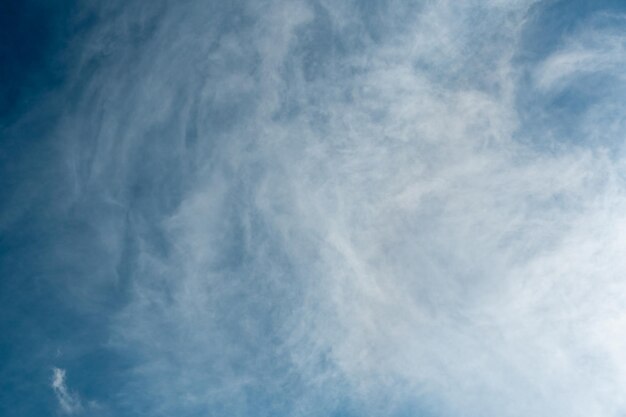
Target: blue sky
[(312, 208)]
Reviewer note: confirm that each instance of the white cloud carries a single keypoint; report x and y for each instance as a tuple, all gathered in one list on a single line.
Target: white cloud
[(380, 233), (69, 401), (450, 259)]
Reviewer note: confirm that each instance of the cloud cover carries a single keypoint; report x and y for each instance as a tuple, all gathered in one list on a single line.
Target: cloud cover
[(352, 208)]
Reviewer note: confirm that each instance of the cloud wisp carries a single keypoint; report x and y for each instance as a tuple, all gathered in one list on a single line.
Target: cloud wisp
[(69, 401)]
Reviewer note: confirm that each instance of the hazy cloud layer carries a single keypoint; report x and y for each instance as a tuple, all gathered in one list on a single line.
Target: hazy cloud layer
[(336, 208)]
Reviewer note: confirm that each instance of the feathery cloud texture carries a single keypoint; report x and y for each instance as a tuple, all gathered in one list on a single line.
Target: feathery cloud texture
[(334, 208)]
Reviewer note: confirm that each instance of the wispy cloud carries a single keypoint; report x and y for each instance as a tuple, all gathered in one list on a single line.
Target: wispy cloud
[(305, 206), (69, 401), (596, 48)]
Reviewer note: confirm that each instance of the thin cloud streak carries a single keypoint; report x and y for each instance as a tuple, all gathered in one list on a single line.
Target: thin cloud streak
[(69, 401)]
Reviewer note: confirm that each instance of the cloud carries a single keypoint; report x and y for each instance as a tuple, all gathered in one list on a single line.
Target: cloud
[(584, 75), (69, 401), (596, 48), (380, 233)]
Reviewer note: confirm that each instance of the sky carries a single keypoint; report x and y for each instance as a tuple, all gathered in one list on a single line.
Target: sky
[(333, 208)]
